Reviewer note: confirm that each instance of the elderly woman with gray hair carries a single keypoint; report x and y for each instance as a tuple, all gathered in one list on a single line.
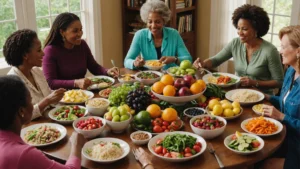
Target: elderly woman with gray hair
[(156, 42)]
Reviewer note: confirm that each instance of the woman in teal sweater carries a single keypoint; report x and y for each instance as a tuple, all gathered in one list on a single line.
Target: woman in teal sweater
[(156, 42), (256, 61)]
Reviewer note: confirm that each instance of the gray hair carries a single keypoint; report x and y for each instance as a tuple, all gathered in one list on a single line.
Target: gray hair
[(157, 6)]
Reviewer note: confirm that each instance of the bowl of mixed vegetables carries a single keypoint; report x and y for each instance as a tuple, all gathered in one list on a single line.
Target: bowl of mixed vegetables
[(177, 146), (244, 143), (67, 114), (221, 79), (148, 77), (101, 82)]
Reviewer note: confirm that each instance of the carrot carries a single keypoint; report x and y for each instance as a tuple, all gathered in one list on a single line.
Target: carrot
[(261, 126)]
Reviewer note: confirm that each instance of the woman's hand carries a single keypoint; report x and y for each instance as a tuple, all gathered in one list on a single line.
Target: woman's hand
[(143, 156), (272, 112), (83, 83), (139, 62), (113, 72), (198, 64), (167, 59), (55, 96), (77, 141), (246, 81)]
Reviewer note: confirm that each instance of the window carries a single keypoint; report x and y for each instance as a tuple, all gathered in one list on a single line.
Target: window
[(17, 14)]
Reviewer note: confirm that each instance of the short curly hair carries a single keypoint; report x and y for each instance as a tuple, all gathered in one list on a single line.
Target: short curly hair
[(155, 6), (258, 18), (17, 45)]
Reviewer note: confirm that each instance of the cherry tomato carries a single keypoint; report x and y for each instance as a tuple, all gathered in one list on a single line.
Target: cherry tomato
[(168, 155), (159, 141), (188, 154), (158, 149), (164, 150), (197, 148), (157, 129), (157, 121), (165, 123), (255, 144), (187, 150), (198, 144)]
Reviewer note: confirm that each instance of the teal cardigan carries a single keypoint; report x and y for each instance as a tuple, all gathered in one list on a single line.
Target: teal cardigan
[(143, 44)]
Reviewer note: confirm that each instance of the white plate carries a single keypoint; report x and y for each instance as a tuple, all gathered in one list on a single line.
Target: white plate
[(60, 128), (260, 140), (154, 139), (229, 94), (256, 111), (227, 118), (90, 144), (277, 123), (205, 78), (95, 86), (89, 93), (153, 67), (178, 99), (51, 115)]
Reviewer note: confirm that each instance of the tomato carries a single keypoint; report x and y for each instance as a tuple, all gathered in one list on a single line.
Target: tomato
[(198, 144), (157, 129), (255, 144), (165, 123), (157, 122), (233, 137), (187, 150), (67, 111), (159, 141), (164, 150), (75, 107), (168, 155), (188, 154), (158, 149), (175, 125), (197, 148), (164, 128)]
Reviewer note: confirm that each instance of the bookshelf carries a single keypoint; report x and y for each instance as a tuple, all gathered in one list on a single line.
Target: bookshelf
[(183, 19)]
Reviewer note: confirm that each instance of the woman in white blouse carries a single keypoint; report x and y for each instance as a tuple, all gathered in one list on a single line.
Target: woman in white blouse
[(23, 50)]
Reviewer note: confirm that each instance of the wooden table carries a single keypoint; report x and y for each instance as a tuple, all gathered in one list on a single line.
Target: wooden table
[(206, 160)]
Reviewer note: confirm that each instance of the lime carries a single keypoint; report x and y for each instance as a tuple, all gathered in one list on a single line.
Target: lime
[(124, 117)]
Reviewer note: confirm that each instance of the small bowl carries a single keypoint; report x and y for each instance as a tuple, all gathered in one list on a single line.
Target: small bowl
[(97, 110), (153, 67), (140, 142), (101, 93), (119, 127), (258, 109), (148, 81), (208, 134), (199, 110), (89, 133), (132, 80)]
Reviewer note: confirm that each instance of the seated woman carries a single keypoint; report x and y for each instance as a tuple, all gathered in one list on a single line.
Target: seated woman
[(15, 102), (67, 56), (156, 42), (256, 61), (288, 101), (22, 50)]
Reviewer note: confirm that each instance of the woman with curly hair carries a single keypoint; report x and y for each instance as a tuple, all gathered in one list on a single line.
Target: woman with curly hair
[(156, 41), (256, 61), (23, 51)]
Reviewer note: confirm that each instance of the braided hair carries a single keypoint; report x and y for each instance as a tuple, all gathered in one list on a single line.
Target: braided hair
[(61, 22), (17, 45)]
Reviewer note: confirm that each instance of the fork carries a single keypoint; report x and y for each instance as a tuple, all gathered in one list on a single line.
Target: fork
[(134, 153), (212, 151), (114, 65)]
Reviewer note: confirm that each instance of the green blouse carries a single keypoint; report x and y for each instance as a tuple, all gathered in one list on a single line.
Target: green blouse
[(264, 65)]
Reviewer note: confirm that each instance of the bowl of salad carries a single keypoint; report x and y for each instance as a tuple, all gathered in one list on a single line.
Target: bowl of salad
[(221, 79), (67, 114), (148, 77), (244, 143), (101, 82), (177, 146)]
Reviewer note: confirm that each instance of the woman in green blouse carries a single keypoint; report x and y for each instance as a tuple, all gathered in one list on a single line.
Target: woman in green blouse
[(256, 61)]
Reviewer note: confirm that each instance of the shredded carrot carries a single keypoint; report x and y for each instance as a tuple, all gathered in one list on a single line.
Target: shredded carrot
[(261, 126)]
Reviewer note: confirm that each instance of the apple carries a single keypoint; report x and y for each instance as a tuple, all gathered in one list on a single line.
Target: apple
[(179, 83), (202, 99), (184, 91), (185, 64), (189, 80)]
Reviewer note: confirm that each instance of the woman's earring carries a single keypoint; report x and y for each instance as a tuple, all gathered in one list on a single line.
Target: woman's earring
[(22, 115), (63, 38)]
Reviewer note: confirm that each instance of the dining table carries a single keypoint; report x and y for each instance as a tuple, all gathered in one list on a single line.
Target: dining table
[(61, 150)]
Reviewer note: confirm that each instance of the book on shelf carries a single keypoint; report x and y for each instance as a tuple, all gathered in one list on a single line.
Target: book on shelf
[(185, 23), (135, 3), (183, 3)]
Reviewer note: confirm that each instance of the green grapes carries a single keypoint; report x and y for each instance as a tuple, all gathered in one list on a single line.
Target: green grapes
[(118, 95)]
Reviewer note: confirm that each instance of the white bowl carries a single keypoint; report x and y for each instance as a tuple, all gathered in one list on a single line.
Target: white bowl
[(261, 141), (227, 118), (255, 109), (127, 81), (96, 86), (90, 144), (191, 116), (207, 76), (178, 99), (104, 90), (153, 67), (277, 123), (208, 134), (153, 141), (89, 133), (51, 114), (148, 81), (119, 127), (97, 110), (229, 94), (140, 142)]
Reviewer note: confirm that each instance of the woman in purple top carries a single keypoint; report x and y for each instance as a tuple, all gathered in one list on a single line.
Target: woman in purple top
[(67, 56), (16, 110)]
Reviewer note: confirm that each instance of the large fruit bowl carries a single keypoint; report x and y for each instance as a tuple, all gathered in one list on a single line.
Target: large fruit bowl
[(178, 99)]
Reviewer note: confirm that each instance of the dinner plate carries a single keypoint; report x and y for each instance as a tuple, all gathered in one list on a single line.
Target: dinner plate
[(60, 128), (96, 85), (51, 115), (88, 146), (277, 123), (88, 93), (207, 78), (229, 94)]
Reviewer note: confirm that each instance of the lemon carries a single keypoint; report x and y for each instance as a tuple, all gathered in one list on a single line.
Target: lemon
[(226, 106), (212, 103), (236, 104), (238, 134), (228, 113), (236, 110), (217, 110), (224, 101)]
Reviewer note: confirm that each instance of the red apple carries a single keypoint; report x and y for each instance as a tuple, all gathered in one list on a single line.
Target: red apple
[(179, 83), (184, 91), (189, 80)]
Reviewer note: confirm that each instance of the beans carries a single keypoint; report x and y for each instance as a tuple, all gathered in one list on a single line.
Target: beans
[(140, 136)]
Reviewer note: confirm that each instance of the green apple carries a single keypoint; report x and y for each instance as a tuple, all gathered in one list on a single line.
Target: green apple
[(112, 109), (115, 112), (185, 64), (122, 110), (108, 116), (124, 117), (116, 118)]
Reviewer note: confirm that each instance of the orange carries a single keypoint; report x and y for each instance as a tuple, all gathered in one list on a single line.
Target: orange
[(167, 79), (196, 88), (158, 87), (202, 83), (169, 90), (154, 110), (169, 115)]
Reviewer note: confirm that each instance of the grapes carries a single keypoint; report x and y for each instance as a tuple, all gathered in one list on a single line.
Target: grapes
[(118, 94), (138, 99)]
